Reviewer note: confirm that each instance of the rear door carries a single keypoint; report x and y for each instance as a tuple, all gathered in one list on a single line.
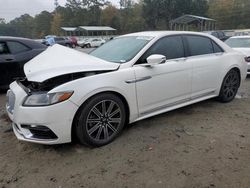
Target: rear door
[(8, 66), (206, 57), (12, 60)]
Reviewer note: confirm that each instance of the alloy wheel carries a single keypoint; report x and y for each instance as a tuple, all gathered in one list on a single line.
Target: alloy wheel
[(104, 120), (231, 85)]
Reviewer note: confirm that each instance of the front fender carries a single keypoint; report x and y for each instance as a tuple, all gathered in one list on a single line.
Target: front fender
[(114, 81)]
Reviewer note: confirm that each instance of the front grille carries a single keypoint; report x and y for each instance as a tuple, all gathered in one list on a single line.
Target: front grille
[(11, 98)]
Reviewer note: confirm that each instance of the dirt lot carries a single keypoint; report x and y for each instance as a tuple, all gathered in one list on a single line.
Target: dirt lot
[(203, 145)]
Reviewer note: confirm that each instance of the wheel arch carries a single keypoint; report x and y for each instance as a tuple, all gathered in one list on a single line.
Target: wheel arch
[(238, 71), (233, 67), (124, 100)]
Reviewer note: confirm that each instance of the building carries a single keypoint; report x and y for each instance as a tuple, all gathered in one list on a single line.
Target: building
[(89, 31)]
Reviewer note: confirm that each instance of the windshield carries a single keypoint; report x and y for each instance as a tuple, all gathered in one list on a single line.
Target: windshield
[(238, 42), (121, 50)]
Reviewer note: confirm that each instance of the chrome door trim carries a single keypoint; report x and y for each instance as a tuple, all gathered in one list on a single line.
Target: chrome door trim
[(138, 80)]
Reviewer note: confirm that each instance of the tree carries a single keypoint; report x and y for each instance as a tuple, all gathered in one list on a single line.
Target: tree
[(2, 21), (126, 3), (23, 25), (230, 14), (56, 24), (158, 13), (81, 4), (42, 24), (108, 13)]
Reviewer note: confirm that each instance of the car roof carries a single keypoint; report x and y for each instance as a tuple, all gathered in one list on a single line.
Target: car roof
[(29, 42), (165, 33), (241, 37)]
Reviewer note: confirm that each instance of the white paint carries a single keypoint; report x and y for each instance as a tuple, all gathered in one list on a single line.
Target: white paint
[(149, 90)]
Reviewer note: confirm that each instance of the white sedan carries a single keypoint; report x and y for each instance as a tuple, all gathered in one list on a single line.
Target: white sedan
[(94, 42), (241, 44), (67, 94)]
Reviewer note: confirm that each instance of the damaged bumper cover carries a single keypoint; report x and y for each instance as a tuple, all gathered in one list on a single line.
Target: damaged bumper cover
[(46, 124)]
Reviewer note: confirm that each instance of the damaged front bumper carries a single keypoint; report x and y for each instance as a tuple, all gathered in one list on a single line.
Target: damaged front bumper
[(44, 125)]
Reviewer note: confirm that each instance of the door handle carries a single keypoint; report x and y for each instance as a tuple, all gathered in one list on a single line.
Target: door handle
[(219, 54), (181, 59), (9, 59)]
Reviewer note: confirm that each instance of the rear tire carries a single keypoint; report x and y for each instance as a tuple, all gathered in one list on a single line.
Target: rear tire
[(230, 86), (100, 120)]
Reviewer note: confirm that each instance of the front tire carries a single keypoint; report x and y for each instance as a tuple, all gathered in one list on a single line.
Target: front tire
[(230, 86), (100, 120)]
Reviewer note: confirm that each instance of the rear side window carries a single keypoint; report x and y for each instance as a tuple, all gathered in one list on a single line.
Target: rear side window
[(199, 45), (17, 47), (171, 47), (4, 48), (217, 48)]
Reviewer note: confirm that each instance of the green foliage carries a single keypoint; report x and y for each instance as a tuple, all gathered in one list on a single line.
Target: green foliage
[(158, 13), (56, 24), (230, 14)]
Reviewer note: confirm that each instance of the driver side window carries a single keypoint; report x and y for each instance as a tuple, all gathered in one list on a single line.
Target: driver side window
[(171, 47)]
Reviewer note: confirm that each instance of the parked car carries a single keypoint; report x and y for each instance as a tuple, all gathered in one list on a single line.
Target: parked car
[(218, 34), (73, 41), (92, 97), (82, 43), (14, 53), (59, 40), (241, 44), (88, 43), (63, 41)]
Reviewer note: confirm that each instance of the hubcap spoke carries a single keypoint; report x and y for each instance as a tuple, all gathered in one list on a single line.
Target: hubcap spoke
[(111, 127), (93, 120), (106, 133), (114, 113), (103, 108), (99, 133), (97, 112), (94, 128), (115, 120), (110, 107)]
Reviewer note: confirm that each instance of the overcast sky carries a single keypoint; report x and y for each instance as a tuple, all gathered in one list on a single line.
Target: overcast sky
[(10, 9)]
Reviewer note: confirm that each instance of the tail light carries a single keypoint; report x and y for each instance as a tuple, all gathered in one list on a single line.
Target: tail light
[(247, 59)]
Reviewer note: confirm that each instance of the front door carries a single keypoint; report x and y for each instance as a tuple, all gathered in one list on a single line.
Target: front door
[(163, 85)]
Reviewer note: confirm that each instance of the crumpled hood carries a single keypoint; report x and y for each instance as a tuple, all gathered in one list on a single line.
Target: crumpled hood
[(245, 51), (59, 60)]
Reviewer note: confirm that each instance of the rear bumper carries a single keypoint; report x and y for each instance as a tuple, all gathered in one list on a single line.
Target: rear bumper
[(43, 125)]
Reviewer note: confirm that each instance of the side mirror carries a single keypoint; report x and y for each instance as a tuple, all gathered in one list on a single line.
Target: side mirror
[(156, 59)]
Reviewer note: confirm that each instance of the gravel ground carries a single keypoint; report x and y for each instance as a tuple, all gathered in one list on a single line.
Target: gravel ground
[(205, 145)]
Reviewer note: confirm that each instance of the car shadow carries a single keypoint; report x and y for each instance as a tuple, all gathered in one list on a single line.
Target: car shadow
[(186, 110)]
